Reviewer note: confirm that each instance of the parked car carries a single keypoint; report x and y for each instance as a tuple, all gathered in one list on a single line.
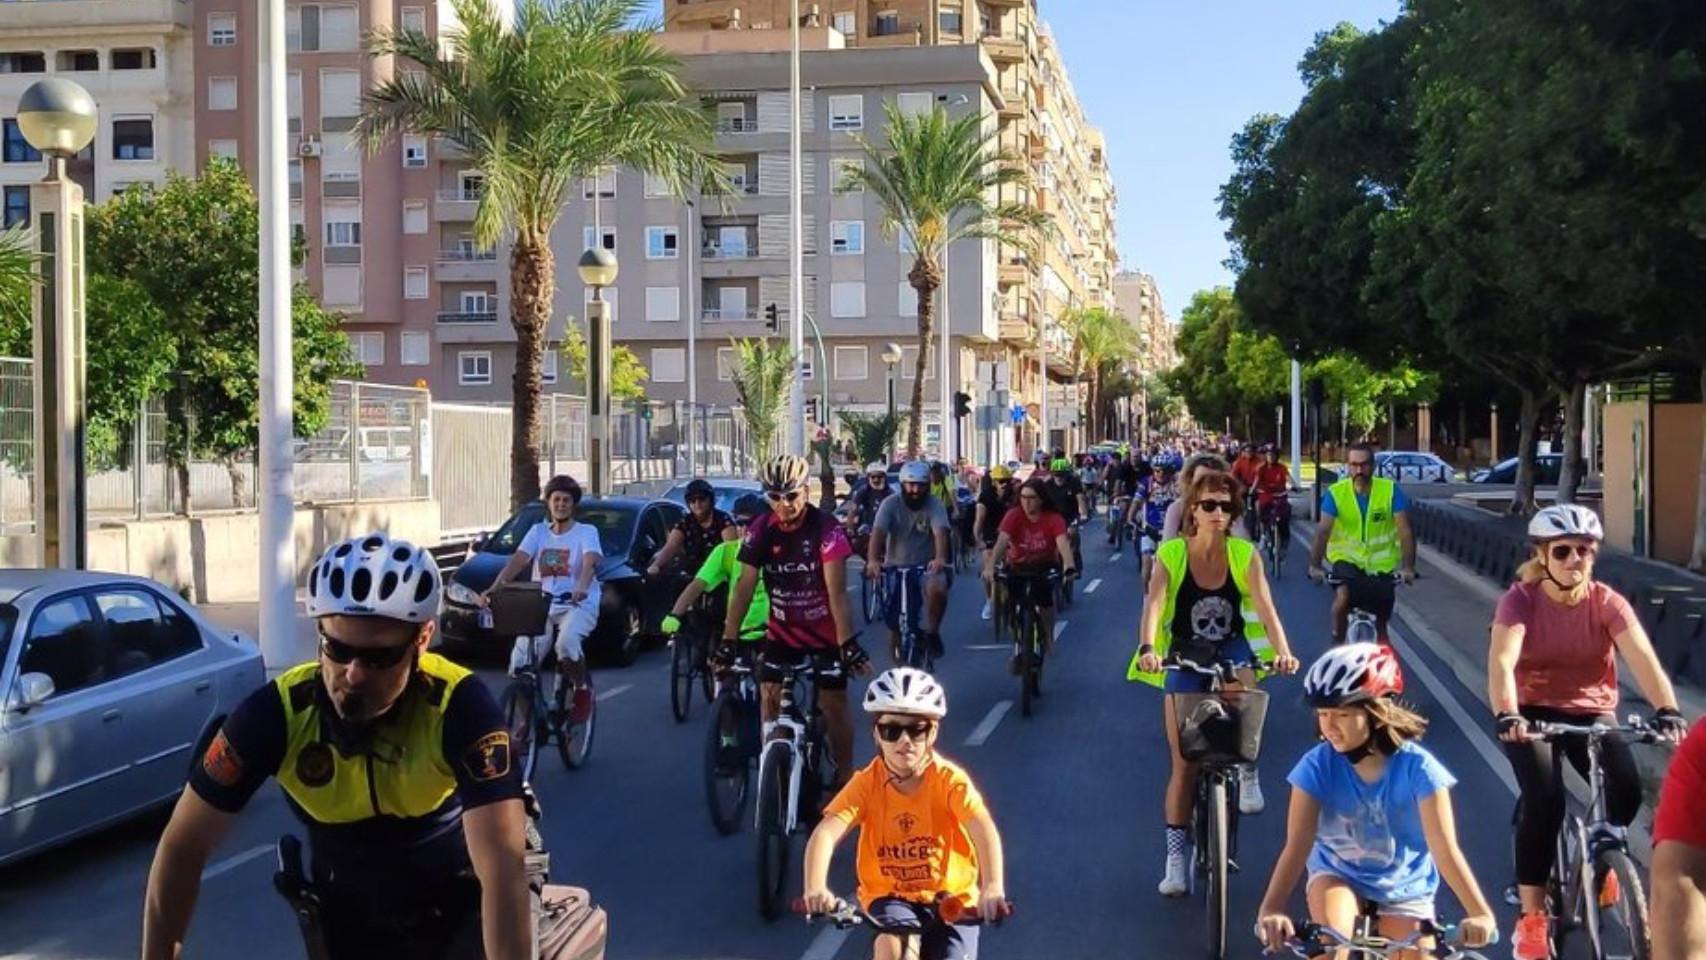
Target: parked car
[(630, 531), (726, 492), (1411, 465), (1547, 466), (112, 688)]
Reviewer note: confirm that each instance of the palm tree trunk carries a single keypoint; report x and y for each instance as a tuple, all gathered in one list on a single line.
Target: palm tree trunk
[(532, 272), (925, 278)]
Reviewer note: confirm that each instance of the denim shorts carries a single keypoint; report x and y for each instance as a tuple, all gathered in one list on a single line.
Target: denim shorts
[(1235, 650), (937, 940)]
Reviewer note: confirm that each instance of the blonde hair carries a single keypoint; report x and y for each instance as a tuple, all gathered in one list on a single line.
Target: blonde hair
[(1533, 570), (1393, 723)]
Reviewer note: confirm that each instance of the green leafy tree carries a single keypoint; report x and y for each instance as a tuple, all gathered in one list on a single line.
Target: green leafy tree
[(17, 279), (1102, 339), (540, 101), (628, 375), (762, 373), (873, 434), (937, 179)]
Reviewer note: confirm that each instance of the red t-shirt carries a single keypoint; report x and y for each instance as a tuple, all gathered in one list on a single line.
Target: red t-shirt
[(1569, 656), (1244, 470), (1272, 481), (1682, 802), (1032, 542)]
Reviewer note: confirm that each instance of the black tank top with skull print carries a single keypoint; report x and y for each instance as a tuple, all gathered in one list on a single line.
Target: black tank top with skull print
[(1205, 620)]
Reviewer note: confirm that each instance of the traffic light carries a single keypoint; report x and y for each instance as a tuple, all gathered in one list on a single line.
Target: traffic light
[(772, 318), (811, 410), (962, 404)]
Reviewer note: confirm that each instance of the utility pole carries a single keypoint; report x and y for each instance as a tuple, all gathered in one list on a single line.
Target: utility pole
[(797, 232)]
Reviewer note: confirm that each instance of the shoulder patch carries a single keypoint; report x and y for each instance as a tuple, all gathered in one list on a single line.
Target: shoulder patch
[(221, 762), (488, 757)]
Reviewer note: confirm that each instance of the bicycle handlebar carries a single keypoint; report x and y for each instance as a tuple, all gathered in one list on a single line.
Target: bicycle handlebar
[(1336, 581), (1636, 730), (848, 914), (1314, 939)]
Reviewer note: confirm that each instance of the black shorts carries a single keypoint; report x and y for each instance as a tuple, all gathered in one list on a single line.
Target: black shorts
[(774, 654), (1375, 592)]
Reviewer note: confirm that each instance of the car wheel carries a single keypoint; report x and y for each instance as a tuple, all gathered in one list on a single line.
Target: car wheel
[(625, 639)]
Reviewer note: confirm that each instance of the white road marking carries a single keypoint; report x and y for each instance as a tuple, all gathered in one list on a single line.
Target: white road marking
[(826, 944), (989, 646), (1475, 733), (237, 860), (987, 726), (604, 695), (1059, 626), (1092, 585), (1115, 558)]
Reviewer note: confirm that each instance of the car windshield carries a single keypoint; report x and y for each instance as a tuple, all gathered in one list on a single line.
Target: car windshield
[(508, 536), (8, 620), (615, 528)]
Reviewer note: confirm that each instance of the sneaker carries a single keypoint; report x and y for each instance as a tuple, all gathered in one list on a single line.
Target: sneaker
[(582, 707), (1532, 938), (1176, 882), (1250, 800), (988, 610)]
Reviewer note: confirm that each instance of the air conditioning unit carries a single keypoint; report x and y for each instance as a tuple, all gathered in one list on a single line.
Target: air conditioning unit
[(309, 147)]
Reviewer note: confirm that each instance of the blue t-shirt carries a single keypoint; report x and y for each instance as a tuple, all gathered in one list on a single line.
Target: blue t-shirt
[(1158, 498), (1370, 834), (1400, 503)]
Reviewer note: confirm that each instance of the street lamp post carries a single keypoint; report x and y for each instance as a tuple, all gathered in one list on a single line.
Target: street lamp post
[(58, 118), (891, 358), (598, 269)]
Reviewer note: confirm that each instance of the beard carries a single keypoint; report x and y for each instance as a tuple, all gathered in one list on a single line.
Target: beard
[(913, 501)]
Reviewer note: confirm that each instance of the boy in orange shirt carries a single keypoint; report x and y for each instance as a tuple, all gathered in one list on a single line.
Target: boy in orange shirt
[(925, 836)]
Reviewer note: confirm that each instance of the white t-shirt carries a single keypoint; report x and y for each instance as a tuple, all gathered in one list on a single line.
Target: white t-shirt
[(557, 559)]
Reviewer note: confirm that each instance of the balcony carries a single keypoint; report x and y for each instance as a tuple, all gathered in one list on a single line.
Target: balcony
[(467, 317), (1013, 328), (720, 315), (456, 206), (1012, 107), (712, 251), (466, 264), (737, 125), (1004, 49), (1015, 270)]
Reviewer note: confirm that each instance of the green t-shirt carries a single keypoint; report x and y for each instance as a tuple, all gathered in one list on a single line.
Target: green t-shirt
[(720, 568)]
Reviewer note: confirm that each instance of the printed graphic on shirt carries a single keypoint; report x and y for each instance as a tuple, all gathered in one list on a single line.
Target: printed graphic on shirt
[(555, 562), (1361, 838), (314, 765), (488, 757), (914, 862), (1211, 619), (221, 762)]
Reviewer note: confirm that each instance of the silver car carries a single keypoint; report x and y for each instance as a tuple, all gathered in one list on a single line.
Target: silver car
[(110, 687), (1402, 465)]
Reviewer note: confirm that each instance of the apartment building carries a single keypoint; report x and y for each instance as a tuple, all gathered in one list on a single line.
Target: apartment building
[(389, 235), (135, 57), (1137, 296)]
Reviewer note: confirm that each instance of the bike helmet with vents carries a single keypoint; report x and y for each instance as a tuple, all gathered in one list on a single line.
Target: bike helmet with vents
[(1565, 520), (915, 471), (1353, 673), (784, 472), (906, 690), (375, 576)]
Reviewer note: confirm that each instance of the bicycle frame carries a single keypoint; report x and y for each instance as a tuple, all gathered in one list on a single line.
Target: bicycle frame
[(907, 632), (797, 724)]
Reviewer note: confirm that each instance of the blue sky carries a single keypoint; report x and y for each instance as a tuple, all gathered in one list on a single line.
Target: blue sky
[(1170, 81)]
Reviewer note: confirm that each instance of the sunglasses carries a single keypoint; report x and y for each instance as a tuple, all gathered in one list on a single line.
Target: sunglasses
[(1562, 551), (916, 732), (1214, 506), (373, 658), (790, 496)]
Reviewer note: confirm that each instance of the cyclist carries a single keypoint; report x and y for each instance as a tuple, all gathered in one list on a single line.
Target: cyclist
[(1031, 539), (721, 568), (1244, 469), (1208, 602), (1365, 534), (859, 510), (1679, 855), (565, 556), (803, 555), (395, 760), (1273, 490), (946, 491), (697, 533), (993, 501), (1371, 814), (1175, 517), (1156, 494), (910, 530), (1553, 657), (1069, 502), (925, 835), (1090, 472)]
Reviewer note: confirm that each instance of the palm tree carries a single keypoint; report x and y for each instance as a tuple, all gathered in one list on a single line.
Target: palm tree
[(762, 372), (570, 88), (937, 181), (17, 280), (1101, 338)]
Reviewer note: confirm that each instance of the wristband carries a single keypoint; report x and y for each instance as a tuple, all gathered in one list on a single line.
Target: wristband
[(1146, 648), (1669, 719), (1507, 721)]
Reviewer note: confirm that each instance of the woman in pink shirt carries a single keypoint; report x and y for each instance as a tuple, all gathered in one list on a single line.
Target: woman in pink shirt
[(1553, 658)]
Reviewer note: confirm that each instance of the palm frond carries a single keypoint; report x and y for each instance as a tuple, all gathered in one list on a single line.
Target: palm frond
[(762, 373)]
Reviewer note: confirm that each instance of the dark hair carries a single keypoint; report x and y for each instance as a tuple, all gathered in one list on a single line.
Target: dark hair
[(563, 483), (750, 505), (1364, 446), (1039, 486), (1210, 481)]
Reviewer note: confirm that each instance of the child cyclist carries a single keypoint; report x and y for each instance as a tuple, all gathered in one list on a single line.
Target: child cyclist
[(925, 836), (1371, 814)]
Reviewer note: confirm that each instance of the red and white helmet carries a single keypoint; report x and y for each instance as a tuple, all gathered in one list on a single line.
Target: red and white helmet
[(1353, 673)]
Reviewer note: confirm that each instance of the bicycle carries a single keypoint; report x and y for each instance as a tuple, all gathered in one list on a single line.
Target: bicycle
[(1361, 624), (906, 584), (731, 744), (1117, 522), (536, 703), (1366, 943), (690, 652), (1594, 879), (795, 772), (847, 915), (1220, 731), (1063, 586), (1028, 640), (1268, 542)]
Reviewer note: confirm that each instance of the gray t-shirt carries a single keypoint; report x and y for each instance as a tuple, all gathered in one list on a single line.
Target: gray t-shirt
[(911, 533)]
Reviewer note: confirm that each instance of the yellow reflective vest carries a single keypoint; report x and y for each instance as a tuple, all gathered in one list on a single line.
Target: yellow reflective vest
[(1369, 543), (1175, 560)]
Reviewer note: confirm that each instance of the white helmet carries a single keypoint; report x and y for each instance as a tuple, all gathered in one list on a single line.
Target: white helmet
[(784, 472), (906, 690), (375, 576), (876, 466), (1565, 520), (915, 471)]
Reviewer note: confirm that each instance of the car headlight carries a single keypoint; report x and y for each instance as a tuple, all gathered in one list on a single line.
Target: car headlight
[(460, 594)]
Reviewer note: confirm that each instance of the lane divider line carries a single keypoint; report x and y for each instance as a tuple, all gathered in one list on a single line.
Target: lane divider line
[(236, 860), (1059, 627), (989, 646), (1115, 558), (604, 695), (826, 944), (1091, 587), (1475, 733), (987, 725)]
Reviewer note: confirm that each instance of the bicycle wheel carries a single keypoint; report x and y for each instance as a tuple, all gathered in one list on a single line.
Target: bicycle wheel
[(870, 592), (1620, 904), (1575, 927), (574, 740), (773, 840), (728, 773), (680, 677), (523, 723), (1027, 659), (702, 666), (1215, 864)]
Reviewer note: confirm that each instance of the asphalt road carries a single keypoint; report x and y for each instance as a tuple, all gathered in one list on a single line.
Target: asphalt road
[(1076, 790)]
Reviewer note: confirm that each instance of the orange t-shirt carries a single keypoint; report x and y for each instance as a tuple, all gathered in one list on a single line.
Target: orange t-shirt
[(912, 847)]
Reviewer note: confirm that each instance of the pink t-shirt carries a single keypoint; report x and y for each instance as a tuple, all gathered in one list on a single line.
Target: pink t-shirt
[(1569, 655)]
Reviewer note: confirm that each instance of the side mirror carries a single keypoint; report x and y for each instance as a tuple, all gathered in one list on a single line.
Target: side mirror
[(31, 691)]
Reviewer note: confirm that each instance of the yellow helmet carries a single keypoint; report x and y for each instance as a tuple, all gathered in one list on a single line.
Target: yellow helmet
[(1000, 472)]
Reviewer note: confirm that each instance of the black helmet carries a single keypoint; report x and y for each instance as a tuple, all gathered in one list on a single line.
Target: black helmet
[(562, 483), (699, 487), (750, 505)]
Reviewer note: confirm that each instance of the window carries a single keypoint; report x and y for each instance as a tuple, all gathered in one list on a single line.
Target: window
[(77, 61), (417, 348), (915, 104), (133, 138), (221, 93), (846, 237), (222, 29), (656, 186), (414, 151), (852, 363), (140, 634), (293, 96), (17, 149), (662, 243), (847, 299), (663, 304), (414, 283), (808, 368), (228, 150), (841, 168), (479, 301), (669, 365), (608, 235), (141, 58), (474, 368), (413, 19), (340, 158), (908, 300), (24, 61), (548, 364), (340, 94), (343, 232), (843, 23), (847, 113), (887, 25), (341, 285), (950, 20), (725, 364), (340, 28), (64, 644), (367, 348), (909, 365), (472, 183), (17, 207), (414, 216), (606, 181), (730, 305)]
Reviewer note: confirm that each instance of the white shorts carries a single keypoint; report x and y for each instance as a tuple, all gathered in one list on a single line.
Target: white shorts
[(569, 625), (1420, 908), (1149, 545)]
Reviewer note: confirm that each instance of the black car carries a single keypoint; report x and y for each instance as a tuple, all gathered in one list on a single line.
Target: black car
[(723, 490), (1547, 466), (630, 531)]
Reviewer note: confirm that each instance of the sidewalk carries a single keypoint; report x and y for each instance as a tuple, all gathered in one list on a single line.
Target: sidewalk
[(246, 618)]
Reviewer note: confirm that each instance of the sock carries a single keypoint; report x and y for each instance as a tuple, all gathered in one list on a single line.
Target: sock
[(1176, 840)]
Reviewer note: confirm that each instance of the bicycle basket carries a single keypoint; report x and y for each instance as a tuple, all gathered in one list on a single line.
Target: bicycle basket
[(1224, 726), (520, 610)]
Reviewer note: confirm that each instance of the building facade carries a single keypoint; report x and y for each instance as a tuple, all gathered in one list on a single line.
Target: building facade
[(1139, 299)]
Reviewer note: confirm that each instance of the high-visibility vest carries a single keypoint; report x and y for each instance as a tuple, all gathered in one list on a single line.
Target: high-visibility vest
[(1175, 560), (1369, 543)]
